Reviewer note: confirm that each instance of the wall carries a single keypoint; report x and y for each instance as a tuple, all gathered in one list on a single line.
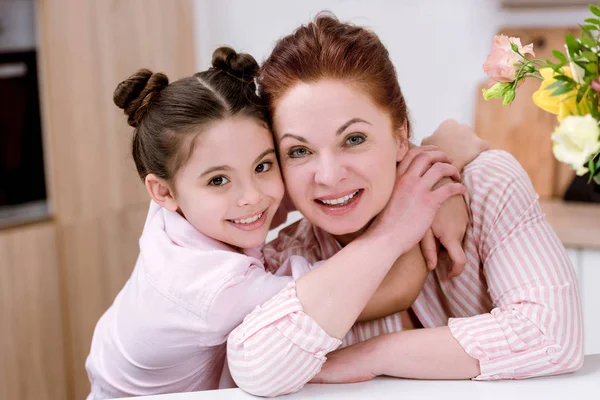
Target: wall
[(438, 46)]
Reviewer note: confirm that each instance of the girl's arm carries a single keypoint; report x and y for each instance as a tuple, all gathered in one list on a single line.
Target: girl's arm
[(406, 278), (282, 344)]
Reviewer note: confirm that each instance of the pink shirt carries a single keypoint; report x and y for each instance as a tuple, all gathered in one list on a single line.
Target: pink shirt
[(167, 328), (515, 308)]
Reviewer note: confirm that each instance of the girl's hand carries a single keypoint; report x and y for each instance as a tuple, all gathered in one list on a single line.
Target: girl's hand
[(459, 141), (415, 201)]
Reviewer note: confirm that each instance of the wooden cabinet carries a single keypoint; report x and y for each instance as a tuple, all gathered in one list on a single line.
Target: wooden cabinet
[(57, 278), (32, 344)]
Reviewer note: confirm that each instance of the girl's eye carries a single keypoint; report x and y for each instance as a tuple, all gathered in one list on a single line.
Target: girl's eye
[(298, 152), (355, 140), (218, 181), (264, 167)]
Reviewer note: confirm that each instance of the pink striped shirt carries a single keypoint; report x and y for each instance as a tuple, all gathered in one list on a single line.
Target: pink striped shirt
[(515, 308)]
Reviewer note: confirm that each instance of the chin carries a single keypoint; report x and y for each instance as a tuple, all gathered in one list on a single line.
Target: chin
[(339, 228), (251, 243)]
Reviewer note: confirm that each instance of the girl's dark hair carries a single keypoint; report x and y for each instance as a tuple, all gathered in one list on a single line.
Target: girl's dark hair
[(168, 117), (329, 49)]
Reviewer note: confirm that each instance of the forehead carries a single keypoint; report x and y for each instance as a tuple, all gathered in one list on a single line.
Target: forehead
[(325, 104), (231, 139)]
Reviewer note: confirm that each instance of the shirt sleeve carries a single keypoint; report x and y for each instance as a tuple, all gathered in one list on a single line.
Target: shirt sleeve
[(242, 292), (535, 327), (278, 348)]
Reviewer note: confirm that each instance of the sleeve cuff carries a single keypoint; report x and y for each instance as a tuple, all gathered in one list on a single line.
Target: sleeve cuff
[(284, 312), (463, 330)]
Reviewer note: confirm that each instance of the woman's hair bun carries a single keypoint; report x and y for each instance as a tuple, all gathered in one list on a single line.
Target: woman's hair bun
[(134, 95), (240, 65)]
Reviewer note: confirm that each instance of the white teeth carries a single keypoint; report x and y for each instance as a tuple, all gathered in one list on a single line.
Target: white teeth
[(248, 220), (341, 201)]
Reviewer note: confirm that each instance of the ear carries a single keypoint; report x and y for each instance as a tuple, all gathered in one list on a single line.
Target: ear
[(402, 141), (161, 192)]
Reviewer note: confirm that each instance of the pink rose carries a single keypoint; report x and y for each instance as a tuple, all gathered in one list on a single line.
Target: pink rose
[(502, 64)]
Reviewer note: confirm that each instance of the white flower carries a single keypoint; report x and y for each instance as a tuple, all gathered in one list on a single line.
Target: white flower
[(576, 139)]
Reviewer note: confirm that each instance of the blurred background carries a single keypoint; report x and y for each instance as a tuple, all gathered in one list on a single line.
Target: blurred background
[(72, 206)]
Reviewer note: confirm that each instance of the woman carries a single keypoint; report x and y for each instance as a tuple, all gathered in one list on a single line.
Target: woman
[(341, 127)]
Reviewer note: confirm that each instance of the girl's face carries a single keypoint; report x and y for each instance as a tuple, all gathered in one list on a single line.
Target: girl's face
[(338, 153), (231, 186)]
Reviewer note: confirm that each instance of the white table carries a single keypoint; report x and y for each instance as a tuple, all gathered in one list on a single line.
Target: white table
[(583, 384)]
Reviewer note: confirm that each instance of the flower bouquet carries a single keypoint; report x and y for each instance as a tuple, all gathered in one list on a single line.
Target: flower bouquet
[(569, 88)]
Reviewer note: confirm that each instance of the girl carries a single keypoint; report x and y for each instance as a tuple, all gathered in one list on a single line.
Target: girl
[(203, 150), (513, 313)]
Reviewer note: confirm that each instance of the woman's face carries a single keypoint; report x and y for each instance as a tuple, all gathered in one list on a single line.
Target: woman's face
[(338, 153)]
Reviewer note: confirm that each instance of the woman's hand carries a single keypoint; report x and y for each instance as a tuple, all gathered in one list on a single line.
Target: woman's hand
[(348, 365), (459, 141), (415, 200)]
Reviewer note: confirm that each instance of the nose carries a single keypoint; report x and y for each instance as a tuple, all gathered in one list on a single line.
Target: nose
[(249, 194), (329, 171)]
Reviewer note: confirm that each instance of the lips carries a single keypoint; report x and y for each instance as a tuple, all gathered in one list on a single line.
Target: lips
[(340, 203), (249, 222)]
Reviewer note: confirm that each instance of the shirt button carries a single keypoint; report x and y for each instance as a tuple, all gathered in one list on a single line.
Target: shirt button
[(550, 351), (319, 354)]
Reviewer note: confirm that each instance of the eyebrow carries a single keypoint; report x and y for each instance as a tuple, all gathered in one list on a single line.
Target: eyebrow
[(228, 168), (263, 154), (338, 132), (345, 126)]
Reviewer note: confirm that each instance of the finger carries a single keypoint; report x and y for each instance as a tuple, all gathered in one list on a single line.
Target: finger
[(410, 156), (484, 145), (424, 162), (457, 255), (429, 249), (438, 171), (448, 190)]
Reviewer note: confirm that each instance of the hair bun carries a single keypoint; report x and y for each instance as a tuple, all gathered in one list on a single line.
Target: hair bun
[(135, 94), (240, 65)]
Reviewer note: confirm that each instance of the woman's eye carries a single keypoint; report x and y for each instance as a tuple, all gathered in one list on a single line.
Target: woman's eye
[(355, 140), (218, 181), (264, 167), (298, 152)]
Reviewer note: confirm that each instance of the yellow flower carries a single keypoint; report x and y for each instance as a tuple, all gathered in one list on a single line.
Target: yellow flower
[(562, 105)]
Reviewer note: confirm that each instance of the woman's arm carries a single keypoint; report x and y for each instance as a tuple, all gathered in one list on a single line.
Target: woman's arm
[(417, 354)]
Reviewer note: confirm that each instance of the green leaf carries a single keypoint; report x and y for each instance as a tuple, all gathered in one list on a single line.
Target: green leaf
[(565, 78), (593, 21), (556, 67), (554, 85), (590, 55), (572, 44), (592, 68), (591, 167), (589, 28), (588, 42), (598, 164), (580, 94), (595, 10), (559, 56), (562, 90)]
